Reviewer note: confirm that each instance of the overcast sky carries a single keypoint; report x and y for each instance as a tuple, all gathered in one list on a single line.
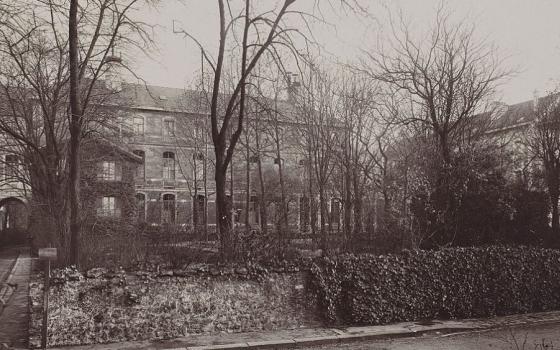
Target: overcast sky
[(526, 31)]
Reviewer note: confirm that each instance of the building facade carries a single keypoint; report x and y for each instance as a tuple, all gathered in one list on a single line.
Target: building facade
[(170, 131)]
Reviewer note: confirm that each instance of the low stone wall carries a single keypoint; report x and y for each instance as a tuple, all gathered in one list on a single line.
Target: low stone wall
[(104, 306)]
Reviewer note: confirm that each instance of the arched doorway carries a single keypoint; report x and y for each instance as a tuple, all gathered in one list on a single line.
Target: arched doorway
[(14, 219)]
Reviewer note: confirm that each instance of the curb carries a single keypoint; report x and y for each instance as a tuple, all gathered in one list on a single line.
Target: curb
[(325, 340), (347, 338), (341, 337), (7, 288)]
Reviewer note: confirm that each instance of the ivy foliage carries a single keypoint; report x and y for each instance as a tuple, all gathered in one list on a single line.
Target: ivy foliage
[(447, 283)]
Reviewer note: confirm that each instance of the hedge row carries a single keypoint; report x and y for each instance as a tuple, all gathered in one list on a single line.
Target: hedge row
[(448, 283)]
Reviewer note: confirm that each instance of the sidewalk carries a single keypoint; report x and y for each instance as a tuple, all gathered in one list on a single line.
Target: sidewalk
[(14, 318), (309, 337), (8, 257)]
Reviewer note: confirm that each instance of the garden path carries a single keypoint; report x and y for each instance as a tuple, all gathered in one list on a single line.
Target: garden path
[(14, 318)]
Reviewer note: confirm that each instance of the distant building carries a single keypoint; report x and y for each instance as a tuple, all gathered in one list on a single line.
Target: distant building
[(509, 127)]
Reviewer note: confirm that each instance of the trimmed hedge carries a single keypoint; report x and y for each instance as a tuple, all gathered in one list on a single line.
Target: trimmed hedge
[(448, 283)]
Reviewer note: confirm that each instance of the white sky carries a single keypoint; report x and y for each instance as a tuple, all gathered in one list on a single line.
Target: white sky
[(526, 31)]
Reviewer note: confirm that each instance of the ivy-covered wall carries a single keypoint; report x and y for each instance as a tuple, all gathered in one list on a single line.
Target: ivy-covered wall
[(447, 283)]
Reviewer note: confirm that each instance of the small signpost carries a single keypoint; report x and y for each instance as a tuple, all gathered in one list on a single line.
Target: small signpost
[(48, 255)]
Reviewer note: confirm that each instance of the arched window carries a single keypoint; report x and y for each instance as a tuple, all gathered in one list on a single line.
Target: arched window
[(304, 213), (141, 169), (169, 165), (198, 209), (141, 206), (168, 210), (335, 211)]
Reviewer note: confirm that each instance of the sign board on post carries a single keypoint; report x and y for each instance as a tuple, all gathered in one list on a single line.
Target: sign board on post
[(48, 255)]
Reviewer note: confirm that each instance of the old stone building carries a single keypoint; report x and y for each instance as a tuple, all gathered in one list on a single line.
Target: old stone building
[(170, 131)]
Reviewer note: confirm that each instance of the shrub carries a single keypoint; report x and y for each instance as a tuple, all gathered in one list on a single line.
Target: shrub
[(111, 243), (448, 283)]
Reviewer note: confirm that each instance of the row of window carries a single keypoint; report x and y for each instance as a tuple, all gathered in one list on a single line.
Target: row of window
[(168, 130), (111, 170), (110, 207), (169, 163)]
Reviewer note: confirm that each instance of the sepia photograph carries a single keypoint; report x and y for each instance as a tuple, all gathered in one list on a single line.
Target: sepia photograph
[(279, 174)]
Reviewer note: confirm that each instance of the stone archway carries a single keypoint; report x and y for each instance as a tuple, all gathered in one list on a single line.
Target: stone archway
[(14, 220)]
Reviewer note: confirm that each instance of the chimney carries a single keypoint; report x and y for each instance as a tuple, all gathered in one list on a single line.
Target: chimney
[(112, 80), (535, 99), (293, 86)]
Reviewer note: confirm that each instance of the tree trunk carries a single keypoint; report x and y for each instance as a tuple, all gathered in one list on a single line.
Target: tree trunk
[(262, 199), (75, 131), (358, 206), (223, 214), (554, 196), (284, 210), (205, 181), (347, 208), (247, 184), (262, 202), (312, 203), (323, 209)]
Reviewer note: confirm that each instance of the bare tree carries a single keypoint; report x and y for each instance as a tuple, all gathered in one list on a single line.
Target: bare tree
[(358, 117), (320, 134), (57, 52), (447, 80), (263, 33)]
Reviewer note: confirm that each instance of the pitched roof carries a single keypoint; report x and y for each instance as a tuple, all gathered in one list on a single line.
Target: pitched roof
[(180, 100), (514, 116), (163, 98)]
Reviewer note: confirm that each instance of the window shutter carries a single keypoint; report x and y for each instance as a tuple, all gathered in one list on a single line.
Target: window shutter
[(117, 207), (98, 206)]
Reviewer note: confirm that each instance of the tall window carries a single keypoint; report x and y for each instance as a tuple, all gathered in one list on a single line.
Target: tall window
[(141, 169), (168, 128), (109, 207), (335, 211), (304, 210), (141, 206), (253, 212), (168, 210), (110, 171), (12, 164), (138, 126), (198, 210), (169, 165)]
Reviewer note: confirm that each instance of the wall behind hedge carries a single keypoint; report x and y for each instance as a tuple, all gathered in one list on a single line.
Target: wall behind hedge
[(448, 283)]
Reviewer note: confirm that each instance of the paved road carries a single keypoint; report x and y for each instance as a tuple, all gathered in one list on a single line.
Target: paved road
[(539, 337)]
